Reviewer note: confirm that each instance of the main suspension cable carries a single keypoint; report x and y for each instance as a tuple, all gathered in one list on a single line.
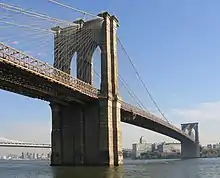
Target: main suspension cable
[(73, 8), (33, 14)]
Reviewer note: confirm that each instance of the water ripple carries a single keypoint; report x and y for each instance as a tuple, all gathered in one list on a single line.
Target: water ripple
[(195, 168)]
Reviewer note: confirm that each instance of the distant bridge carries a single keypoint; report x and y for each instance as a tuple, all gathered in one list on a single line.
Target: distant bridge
[(24, 145)]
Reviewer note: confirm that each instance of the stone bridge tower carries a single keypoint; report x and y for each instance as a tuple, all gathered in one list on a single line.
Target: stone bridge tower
[(190, 149), (88, 133)]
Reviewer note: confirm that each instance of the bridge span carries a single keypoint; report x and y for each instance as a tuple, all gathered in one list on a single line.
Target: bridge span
[(86, 127), (24, 145), (15, 63)]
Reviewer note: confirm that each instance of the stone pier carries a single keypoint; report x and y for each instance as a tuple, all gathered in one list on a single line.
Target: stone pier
[(190, 149), (89, 133)]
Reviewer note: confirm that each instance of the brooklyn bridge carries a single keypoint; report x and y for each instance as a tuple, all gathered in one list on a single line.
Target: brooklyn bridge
[(86, 121)]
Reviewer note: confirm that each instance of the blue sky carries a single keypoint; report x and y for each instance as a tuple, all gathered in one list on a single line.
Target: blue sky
[(174, 45)]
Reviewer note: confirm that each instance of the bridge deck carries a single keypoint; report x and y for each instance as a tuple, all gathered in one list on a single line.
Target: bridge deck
[(14, 58), (138, 117)]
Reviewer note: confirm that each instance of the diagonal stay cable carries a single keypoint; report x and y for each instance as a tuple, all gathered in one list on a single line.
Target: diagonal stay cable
[(137, 73)]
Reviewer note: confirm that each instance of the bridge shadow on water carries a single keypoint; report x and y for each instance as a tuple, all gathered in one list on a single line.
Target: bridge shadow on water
[(85, 172)]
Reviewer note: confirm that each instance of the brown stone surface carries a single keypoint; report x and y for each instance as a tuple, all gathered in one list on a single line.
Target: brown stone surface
[(91, 133)]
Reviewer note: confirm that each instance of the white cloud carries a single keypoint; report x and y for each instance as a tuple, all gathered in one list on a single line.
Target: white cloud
[(14, 42), (206, 114), (3, 139), (41, 54), (28, 131), (209, 111)]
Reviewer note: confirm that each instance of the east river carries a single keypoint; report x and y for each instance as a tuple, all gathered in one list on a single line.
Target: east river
[(195, 168)]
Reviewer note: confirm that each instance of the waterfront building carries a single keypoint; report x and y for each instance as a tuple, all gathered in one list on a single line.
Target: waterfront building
[(141, 147)]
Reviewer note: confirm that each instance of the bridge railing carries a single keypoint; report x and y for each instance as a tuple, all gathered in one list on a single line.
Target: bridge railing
[(142, 113), (24, 61)]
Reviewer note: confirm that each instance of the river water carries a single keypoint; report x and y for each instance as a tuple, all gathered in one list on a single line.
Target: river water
[(195, 168)]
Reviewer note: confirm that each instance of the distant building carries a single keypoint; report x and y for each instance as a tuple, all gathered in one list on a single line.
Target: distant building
[(38, 157), (141, 147), (127, 153), (48, 156), (159, 147), (209, 146), (171, 148), (34, 156), (22, 155), (216, 146)]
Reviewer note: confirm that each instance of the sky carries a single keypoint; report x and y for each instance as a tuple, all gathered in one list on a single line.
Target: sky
[(173, 44)]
